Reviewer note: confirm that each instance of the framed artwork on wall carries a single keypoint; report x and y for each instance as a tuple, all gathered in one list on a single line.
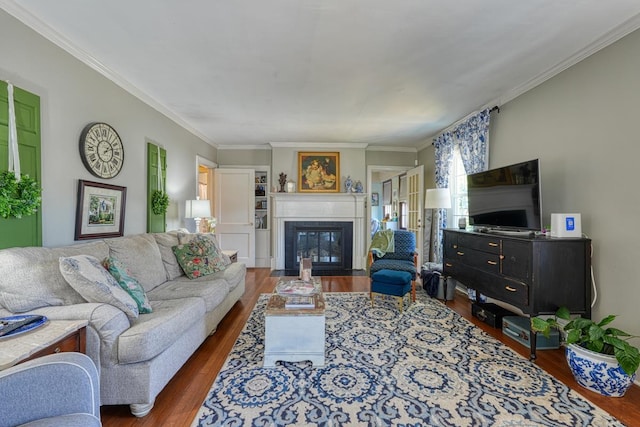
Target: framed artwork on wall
[(375, 199), (100, 210), (318, 172)]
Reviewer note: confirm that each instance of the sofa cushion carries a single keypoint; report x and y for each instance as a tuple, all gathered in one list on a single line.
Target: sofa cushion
[(186, 237), (212, 291), (86, 275), (199, 257), (30, 277), (150, 334), (166, 241), (128, 283), (140, 254), (234, 274)]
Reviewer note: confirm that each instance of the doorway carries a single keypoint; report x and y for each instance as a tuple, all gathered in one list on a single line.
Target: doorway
[(410, 206)]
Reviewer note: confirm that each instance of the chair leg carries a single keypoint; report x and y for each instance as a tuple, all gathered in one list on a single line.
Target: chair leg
[(413, 290)]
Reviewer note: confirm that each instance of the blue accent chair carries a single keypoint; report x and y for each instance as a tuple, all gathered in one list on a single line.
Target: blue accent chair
[(403, 258), (61, 389)]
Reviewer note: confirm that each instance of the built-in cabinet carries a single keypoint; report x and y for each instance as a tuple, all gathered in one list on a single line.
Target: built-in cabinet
[(261, 200), (262, 219)]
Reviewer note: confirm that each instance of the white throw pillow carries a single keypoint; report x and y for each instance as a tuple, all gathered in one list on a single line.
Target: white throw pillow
[(90, 279)]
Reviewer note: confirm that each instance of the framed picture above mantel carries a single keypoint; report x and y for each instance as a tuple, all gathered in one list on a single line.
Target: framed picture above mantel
[(100, 210), (318, 172)]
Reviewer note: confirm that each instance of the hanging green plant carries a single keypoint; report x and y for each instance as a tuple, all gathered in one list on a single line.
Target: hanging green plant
[(18, 198), (159, 202)]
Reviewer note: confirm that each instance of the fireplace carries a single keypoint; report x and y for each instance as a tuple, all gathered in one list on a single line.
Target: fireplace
[(329, 244), (320, 208)]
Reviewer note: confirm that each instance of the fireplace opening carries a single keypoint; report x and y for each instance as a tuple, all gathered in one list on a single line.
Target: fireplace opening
[(329, 244)]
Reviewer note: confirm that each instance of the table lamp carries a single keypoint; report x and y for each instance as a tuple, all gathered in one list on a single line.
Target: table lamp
[(197, 209)]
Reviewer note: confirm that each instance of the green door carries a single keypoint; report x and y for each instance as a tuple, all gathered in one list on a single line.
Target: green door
[(26, 231), (155, 223)]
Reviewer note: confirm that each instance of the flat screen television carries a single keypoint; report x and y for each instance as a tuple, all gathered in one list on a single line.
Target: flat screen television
[(506, 198)]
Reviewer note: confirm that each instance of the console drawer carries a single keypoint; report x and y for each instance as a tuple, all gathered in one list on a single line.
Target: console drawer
[(480, 243), (512, 291), (473, 258)]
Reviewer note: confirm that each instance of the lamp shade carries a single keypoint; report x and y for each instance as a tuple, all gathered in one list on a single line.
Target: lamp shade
[(437, 198), (197, 209)]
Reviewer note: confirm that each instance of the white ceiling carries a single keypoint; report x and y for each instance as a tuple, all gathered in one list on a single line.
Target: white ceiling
[(383, 72)]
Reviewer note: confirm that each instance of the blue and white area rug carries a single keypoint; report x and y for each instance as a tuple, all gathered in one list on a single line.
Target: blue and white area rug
[(425, 367)]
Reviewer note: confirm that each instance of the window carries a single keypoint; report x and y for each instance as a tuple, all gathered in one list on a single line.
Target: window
[(458, 189)]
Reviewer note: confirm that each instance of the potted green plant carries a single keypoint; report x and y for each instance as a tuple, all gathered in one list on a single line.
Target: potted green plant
[(599, 356)]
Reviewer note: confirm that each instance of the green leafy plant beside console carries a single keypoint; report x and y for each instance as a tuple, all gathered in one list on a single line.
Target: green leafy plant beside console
[(18, 198), (159, 202), (594, 336)]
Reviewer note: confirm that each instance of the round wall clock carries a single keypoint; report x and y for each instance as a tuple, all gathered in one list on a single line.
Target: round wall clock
[(101, 150)]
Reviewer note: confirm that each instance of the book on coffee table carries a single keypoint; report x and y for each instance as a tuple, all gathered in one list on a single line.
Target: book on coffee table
[(299, 302)]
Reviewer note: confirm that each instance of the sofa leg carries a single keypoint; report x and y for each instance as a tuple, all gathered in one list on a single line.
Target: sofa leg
[(141, 409), (413, 291)]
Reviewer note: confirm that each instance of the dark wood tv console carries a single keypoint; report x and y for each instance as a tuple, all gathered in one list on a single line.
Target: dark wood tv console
[(537, 274)]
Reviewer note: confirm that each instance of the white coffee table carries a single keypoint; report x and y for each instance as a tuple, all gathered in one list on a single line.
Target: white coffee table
[(294, 335)]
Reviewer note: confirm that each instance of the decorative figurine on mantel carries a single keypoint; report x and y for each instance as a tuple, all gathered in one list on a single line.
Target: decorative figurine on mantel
[(282, 181), (358, 187), (348, 184)]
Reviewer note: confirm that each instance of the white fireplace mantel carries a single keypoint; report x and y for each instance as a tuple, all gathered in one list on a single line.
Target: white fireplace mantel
[(319, 207)]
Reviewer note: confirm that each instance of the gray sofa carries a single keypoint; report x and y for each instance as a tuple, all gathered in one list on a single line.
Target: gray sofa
[(136, 357)]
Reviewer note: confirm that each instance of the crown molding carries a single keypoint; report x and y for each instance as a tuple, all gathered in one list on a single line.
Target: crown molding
[(319, 145), (17, 11), (392, 148), (627, 27), (244, 147)]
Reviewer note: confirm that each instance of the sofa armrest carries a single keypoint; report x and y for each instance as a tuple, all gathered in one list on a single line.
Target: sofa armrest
[(53, 387)]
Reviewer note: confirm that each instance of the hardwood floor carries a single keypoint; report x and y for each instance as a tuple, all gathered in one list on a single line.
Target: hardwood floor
[(178, 403)]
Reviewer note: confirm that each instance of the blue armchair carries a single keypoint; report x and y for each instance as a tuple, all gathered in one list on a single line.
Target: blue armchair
[(61, 389), (403, 257)]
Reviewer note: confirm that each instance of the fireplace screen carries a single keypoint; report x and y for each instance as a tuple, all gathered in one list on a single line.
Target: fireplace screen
[(320, 246), (329, 244)]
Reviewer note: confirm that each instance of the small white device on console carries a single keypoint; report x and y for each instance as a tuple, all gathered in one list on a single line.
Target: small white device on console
[(566, 225)]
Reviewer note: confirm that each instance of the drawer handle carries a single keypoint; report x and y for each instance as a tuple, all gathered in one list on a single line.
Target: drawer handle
[(57, 350), (460, 253), (492, 263), (448, 264), (493, 244), (510, 289)]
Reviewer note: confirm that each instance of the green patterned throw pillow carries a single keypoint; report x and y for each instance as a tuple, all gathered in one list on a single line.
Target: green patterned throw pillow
[(128, 283), (198, 257)]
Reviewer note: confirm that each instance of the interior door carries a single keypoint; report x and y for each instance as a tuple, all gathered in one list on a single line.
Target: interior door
[(235, 212), (415, 208)]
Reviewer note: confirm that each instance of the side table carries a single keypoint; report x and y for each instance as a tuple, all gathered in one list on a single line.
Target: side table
[(232, 254), (54, 337)]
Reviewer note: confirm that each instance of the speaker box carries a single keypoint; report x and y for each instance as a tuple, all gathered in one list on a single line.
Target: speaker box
[(566, 225)]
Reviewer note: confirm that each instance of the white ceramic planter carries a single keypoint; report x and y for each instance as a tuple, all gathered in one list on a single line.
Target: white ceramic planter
[(598, 372)]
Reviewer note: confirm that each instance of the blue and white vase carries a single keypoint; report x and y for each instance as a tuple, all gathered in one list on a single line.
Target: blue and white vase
[(358, 187), (598, 372), (348, 184)]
